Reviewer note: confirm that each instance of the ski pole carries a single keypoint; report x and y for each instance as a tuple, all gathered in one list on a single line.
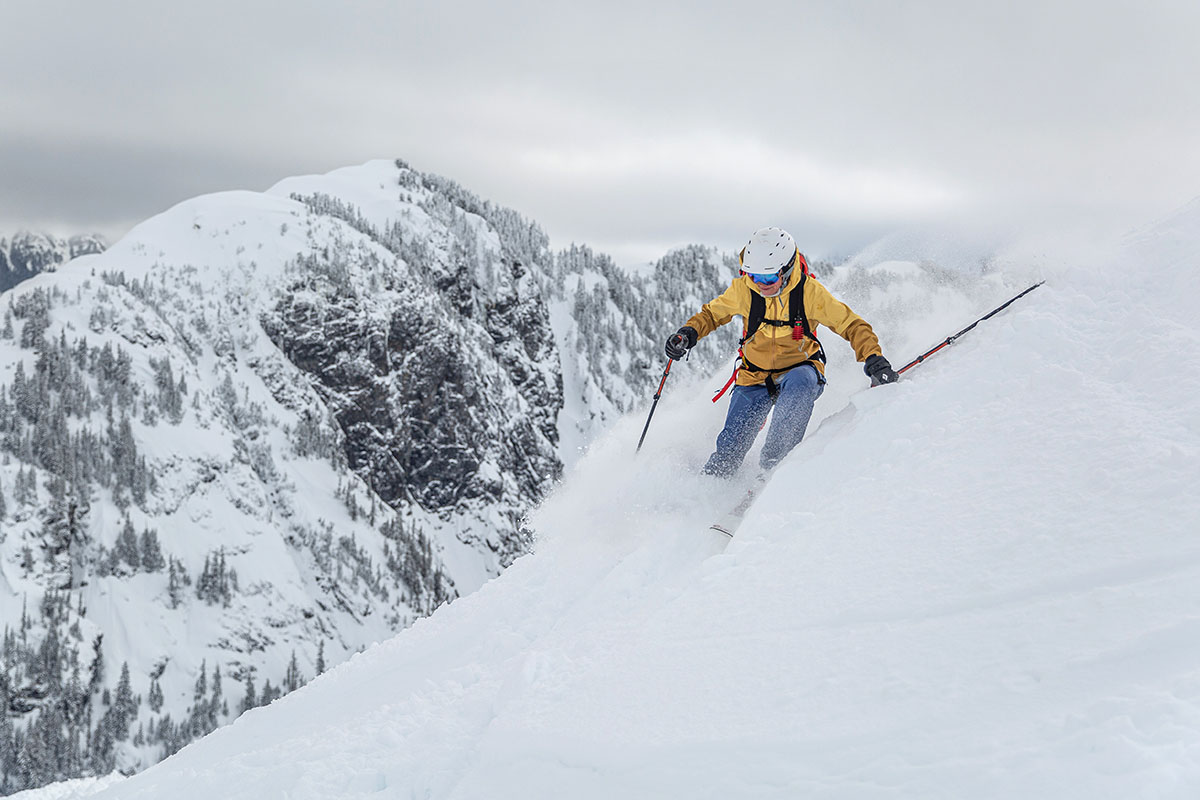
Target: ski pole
[(919, 359), (657, 395)]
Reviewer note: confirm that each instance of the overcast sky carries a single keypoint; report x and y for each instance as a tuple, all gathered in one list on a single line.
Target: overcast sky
[(632, 127)]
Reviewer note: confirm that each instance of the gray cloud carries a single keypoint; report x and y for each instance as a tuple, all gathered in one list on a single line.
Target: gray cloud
[(628, 126), (107, 187)]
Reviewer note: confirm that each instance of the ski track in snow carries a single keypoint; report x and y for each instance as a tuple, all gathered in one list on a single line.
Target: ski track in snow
[(980, 582)]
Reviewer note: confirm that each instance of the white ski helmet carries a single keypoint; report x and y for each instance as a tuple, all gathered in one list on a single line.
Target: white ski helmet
[(770, 251)]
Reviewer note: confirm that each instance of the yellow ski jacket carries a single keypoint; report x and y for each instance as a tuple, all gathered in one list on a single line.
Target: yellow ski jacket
[(772, 347)]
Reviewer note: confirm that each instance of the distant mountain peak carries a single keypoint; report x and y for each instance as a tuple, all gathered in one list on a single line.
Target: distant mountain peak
[(28, 253)]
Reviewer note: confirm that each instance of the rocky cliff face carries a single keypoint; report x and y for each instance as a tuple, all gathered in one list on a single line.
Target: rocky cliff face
[(438, 362)]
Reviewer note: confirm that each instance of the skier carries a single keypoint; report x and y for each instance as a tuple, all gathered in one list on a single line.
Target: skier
[(782, 363)]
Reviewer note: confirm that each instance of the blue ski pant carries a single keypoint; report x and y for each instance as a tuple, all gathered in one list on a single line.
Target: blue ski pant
[(748, 408)]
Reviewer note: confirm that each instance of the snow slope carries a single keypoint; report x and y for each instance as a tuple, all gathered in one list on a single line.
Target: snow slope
[(980, 582)]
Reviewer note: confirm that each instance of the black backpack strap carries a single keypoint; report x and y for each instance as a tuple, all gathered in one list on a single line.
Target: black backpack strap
[(796, 307), (754, 320), (799, 318)]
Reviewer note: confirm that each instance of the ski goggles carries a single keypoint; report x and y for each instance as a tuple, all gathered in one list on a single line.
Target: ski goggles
[(766, 279)]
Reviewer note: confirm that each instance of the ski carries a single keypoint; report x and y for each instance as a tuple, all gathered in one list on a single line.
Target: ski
[(728, 524)]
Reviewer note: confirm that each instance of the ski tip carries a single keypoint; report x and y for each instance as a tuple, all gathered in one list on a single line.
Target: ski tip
[(721, 528)]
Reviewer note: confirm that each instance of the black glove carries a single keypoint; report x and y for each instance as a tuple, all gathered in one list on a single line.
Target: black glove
[(680, 342), (880, 371)]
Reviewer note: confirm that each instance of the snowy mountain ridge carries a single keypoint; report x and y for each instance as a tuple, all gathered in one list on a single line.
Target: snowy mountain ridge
[(275, 428), (979, 582)]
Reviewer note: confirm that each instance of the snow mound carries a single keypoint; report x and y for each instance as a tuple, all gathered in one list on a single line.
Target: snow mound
[(70, 790)]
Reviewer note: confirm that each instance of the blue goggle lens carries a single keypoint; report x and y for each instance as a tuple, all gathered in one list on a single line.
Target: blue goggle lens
[(763, 280)]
